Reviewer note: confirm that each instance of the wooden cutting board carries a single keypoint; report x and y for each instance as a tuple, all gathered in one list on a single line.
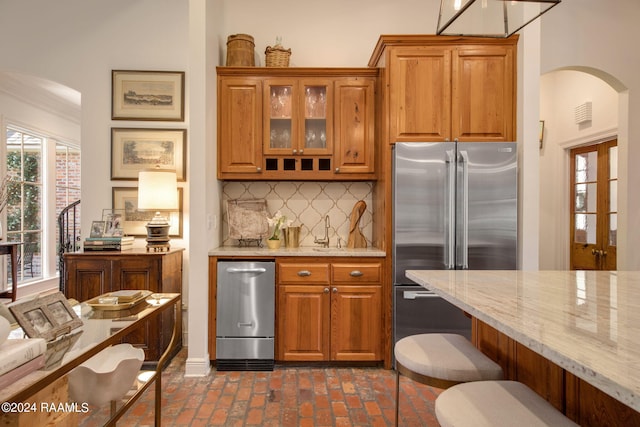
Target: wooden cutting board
[(356, 238)]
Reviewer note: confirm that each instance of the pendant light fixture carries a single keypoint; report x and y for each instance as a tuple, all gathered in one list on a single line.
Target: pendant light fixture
[(489, 18)]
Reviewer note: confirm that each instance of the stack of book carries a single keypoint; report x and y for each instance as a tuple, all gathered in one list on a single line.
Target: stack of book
[(19, 357), (108, 243)]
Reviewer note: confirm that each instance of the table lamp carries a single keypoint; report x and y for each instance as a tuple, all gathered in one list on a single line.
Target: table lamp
[(157, 191)]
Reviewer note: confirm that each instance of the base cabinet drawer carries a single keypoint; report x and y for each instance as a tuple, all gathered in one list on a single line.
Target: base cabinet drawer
[(303, 273)]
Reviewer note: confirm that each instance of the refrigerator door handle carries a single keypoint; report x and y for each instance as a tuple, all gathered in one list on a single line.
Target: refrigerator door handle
[(464, 229), (450, 213)]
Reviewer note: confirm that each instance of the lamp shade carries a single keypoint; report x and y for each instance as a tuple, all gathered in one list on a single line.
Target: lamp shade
[(489, 18), (157, 190)]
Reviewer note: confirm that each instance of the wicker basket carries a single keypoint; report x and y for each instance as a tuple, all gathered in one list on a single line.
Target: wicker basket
[(277, 56)]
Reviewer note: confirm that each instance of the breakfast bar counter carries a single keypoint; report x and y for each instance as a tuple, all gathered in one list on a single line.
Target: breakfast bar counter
[(586, 322)]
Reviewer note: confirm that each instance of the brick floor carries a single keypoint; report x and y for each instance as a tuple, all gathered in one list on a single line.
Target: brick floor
[(288, 396)]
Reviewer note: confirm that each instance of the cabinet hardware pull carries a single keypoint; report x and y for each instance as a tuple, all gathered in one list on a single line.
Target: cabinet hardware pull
[(356, 273), (326, 290), (335, 290), (258, 169), (337, 170), (295, 151), (304, 273), (301, 151)]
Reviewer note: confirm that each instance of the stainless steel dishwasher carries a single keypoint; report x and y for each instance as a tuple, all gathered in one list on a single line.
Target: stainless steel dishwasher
[(245, 324)]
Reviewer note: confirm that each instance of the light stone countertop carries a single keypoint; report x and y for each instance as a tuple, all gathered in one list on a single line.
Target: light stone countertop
[(587, 322), (306, 251)]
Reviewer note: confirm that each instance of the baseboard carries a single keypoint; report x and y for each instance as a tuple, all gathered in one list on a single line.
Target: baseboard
[(197, 367)]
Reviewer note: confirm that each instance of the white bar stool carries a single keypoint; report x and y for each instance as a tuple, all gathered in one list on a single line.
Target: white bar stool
[(496, 404), (442, 361)]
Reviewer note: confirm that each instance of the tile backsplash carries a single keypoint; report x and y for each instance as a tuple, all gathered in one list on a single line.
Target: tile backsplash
[(307, 204)]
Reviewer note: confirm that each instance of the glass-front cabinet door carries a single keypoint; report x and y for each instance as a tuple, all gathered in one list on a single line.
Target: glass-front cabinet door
[(298, 117)]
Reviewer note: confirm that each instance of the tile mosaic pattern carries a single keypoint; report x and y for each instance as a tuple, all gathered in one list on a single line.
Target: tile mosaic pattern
[(307, 204)]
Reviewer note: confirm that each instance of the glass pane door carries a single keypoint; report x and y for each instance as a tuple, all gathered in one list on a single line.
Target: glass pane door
[(315, 117), (594, 222), (280, 117)]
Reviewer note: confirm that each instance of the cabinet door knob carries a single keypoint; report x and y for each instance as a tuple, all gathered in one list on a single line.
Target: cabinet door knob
[(304, 273), (335, 290), (337, 170), (356, 273), (301, 151), (258, 169), (295, 151), (326, 290)]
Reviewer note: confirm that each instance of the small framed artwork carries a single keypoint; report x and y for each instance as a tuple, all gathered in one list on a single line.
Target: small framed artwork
[(147, 95), (113, 219), (136, 149), (97, 229), (48, 316), (126, 198)]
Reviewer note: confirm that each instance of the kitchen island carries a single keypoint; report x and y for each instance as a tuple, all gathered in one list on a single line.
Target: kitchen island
[(587, 323)]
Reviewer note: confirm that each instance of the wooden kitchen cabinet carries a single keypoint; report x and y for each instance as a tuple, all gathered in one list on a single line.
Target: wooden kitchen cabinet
[(240, 126), (296, 123), (298, 119), (90, 274), (329, 311), (440, 88), (354, 108)]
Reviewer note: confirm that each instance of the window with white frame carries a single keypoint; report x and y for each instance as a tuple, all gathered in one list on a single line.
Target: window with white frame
[(29, 156)]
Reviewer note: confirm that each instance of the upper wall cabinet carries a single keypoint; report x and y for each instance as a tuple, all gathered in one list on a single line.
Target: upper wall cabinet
[(296, 123), (240, 126), (440, 88)]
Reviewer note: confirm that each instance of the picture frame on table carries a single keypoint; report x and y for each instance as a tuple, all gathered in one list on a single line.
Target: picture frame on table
[(147, 95), (126, 198), (97, 229), (48, 316), (113, 222), (136, 149)]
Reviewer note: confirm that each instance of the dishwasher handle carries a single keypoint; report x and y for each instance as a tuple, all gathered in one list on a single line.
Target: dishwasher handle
[(418, 294), (246, 270)]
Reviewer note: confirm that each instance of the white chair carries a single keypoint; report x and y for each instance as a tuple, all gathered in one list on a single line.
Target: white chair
[(442, 361), (496, 404)]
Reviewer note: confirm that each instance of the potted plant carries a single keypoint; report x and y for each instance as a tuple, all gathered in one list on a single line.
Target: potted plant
[(278, 221)]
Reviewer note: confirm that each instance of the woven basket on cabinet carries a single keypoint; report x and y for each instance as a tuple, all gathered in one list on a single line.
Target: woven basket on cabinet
[(277, 56)]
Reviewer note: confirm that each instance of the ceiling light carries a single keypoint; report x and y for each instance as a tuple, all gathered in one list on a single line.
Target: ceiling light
[(489, 18)]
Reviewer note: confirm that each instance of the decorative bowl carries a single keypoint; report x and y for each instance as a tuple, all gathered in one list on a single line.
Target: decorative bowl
[(106, 376)]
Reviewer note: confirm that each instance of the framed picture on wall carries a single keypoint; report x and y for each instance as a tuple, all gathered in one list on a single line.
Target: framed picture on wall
[(147, 95), (126, 199), (135, 149)]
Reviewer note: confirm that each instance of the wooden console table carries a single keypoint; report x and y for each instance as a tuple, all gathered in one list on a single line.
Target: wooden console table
[(99, 331), (11, 248)]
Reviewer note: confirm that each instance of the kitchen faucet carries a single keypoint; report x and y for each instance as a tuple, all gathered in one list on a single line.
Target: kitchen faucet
[(324, 242)]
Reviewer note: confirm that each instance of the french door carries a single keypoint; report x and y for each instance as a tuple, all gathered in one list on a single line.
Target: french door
[(594, 210)]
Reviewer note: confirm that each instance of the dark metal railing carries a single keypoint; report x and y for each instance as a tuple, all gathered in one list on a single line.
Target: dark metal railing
[(69, 236)]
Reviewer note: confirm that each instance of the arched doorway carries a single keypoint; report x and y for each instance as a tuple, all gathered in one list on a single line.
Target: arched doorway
[(562, 92)]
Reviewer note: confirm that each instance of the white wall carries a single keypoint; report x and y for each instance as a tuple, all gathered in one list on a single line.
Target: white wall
[(78, 43), (601, 38), (560, 92), (330, 33)]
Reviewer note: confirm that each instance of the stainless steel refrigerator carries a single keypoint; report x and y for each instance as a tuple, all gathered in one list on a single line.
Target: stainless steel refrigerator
[(455, 207)]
